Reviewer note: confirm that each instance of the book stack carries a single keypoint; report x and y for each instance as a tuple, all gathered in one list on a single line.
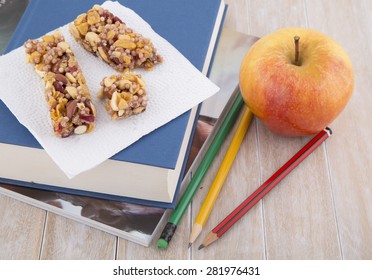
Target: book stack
[(131, 213), (26, 169)]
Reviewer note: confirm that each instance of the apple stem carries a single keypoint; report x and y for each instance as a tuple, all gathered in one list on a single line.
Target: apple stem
[(297, 50)]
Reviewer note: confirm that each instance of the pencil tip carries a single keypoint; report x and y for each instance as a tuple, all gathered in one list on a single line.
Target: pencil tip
[(201, 247), (190, 245)]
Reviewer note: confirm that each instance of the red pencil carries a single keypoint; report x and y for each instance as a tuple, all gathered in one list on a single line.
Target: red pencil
[(247, 204)]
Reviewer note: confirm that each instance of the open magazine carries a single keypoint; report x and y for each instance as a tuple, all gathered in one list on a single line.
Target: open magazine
[(139, 223)]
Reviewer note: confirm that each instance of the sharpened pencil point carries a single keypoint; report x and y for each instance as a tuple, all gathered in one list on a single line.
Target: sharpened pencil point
[(190, 245), (201, 247)]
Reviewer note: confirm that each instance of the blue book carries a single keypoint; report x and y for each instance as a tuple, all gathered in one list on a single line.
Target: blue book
[(192, 27)]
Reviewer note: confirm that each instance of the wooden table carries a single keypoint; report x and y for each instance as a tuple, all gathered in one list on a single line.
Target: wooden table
[(322, 210)]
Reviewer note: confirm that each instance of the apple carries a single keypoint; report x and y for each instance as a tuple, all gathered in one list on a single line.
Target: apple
[(296, 81)]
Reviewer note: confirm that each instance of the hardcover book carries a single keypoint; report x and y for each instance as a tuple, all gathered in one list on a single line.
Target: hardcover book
[(159, 155)]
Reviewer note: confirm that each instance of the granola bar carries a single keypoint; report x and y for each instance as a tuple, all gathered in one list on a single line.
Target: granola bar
[(66, 92), (125, 95), (108, 37)]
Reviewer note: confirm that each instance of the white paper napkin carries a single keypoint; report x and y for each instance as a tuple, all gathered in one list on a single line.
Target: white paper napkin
[(173, 87)]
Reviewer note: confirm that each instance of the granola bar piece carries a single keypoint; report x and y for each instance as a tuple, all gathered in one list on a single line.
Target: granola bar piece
[(125, 95), (108, 37), (70, 106)]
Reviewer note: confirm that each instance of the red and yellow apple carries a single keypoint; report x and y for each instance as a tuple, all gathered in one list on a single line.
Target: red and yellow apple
[(296, 81)]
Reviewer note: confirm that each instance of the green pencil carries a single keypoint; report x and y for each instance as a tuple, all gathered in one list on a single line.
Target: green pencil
[(186, 198)]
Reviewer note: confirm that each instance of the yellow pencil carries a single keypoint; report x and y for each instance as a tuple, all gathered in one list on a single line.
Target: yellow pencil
[(221, 175)]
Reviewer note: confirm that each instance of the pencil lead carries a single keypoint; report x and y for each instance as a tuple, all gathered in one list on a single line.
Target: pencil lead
[(201, 247), (190, 245)]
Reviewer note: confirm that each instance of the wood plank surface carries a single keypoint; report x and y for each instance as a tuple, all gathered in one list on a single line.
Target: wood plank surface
[(67, 239), (322, 210), (21, 230)]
